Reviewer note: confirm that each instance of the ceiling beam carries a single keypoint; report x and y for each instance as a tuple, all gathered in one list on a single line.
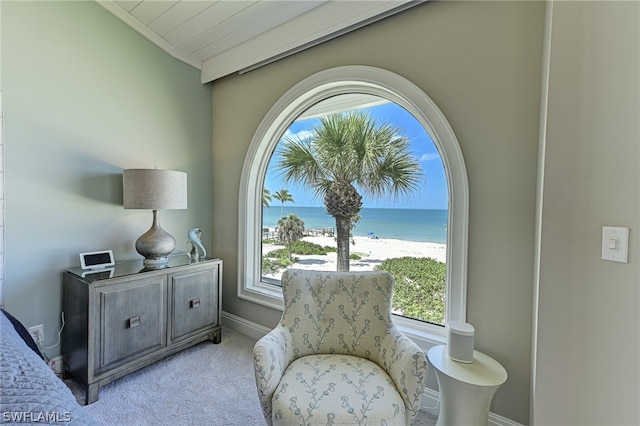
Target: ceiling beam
[(311, 29)]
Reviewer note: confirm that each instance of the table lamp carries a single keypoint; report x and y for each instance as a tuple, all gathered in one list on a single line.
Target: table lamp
[(155, 190)]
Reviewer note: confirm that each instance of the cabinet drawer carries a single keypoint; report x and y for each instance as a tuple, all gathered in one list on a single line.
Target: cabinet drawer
[(132, 320), (193, 302)]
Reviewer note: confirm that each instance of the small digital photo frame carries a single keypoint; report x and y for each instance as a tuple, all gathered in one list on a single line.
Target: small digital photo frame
[(96, 260)]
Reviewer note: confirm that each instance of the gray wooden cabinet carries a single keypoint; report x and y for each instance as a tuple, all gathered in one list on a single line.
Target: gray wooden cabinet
[(121, 319)]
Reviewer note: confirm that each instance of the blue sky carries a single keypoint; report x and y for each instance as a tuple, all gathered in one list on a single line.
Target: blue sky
[(432, 193)]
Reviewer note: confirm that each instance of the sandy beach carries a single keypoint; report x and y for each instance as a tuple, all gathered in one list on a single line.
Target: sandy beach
[(373, 252)]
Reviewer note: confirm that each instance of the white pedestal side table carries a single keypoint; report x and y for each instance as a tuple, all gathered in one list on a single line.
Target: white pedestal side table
[(466, 390)]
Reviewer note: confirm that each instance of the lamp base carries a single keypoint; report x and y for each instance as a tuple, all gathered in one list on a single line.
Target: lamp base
[(159, 263), (155, 245)]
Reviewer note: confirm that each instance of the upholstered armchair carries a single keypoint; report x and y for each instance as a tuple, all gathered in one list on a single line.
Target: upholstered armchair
[(336, 357)]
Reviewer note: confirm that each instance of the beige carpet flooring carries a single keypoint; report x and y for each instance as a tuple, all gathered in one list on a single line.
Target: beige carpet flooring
[(207, 384)]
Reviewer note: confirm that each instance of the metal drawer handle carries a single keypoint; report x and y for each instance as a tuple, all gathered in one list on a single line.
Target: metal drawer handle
[(194, 303), (134, 321)]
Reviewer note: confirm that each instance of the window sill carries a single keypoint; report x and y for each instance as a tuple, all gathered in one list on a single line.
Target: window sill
[(424, 339)]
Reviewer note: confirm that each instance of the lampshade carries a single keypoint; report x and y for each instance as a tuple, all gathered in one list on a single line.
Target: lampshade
[(154, 189)]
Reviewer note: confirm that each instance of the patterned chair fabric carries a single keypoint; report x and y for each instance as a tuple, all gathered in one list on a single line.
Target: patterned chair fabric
[(336, 357)]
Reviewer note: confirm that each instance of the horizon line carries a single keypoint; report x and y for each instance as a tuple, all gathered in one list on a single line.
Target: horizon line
[(372, 208)]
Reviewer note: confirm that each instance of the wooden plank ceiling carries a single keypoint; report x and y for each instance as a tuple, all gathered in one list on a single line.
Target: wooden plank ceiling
[(221, 37)]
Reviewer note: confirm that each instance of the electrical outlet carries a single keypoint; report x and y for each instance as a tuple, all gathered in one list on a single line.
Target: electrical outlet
[(37, 332)]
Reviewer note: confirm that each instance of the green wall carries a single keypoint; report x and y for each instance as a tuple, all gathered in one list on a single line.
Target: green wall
[(84, 98), (481, 64)]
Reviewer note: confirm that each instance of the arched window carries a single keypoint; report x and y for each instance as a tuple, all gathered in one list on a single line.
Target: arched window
[(358, 82)]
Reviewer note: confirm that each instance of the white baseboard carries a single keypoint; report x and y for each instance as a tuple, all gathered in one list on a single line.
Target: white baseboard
[(430, 400), (241, 325), (498, 420)]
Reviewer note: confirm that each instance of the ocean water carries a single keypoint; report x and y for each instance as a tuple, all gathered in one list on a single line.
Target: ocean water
[(402, 224)]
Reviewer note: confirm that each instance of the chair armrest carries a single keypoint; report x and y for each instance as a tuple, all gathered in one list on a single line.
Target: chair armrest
[(407, 366), (272, 354)]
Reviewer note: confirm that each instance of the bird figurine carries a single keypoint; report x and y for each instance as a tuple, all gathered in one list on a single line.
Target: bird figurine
[(198, 251)]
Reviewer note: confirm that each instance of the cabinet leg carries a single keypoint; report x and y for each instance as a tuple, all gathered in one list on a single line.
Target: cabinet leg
[(92, 393), (216, 337)]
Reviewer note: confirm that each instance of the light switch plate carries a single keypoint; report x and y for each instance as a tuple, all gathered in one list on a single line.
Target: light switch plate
[(615, 244)]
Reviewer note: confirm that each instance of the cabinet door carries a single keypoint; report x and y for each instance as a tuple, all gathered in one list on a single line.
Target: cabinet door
[(132, 320), (194, 304)]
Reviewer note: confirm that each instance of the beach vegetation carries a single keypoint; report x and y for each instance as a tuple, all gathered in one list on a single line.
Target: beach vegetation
[(276, 260), (266, 197), (308, 248), (346, 154), (276, 264), (290, 230), (283, 196), (419, 287), (279, 253), (304, 248)]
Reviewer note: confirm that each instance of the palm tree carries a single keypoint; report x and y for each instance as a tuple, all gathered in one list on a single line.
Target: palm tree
[(290, 230), (346, 151), (266, 197), (283, 196)]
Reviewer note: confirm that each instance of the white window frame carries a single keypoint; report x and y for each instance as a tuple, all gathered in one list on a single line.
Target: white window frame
[(307, 93)]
